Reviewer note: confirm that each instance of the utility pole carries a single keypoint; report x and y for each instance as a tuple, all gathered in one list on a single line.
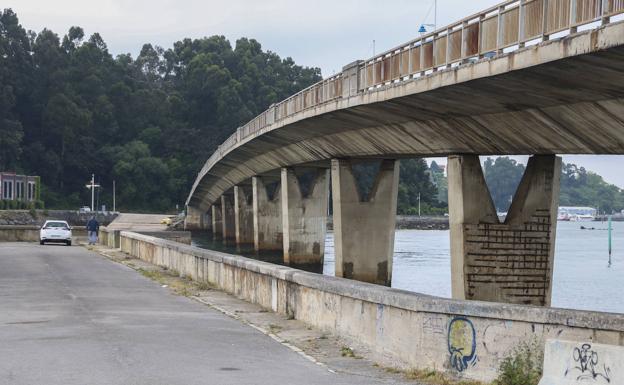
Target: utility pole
[(92, 186), (435, 15), (419, 205), (114, 208)]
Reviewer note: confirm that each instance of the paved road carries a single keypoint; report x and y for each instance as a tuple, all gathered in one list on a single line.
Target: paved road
[(138, 222), (69, 316)]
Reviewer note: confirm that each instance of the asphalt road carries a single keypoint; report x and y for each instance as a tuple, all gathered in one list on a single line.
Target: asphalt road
[(70, 316)]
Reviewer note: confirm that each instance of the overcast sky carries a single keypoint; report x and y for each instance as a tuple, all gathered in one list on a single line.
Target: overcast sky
[(321, 33)]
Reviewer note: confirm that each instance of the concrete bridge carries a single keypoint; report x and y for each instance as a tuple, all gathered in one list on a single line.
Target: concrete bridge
[(536, 77)]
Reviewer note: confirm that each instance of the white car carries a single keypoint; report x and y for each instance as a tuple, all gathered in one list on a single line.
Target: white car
[(55, 231)]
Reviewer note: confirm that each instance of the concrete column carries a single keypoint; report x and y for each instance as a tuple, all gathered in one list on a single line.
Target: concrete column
[(364, 230), (228, 219), (508, 262), (243, 216), (194, 219), (267, 217), (217, 223), (304, 218)]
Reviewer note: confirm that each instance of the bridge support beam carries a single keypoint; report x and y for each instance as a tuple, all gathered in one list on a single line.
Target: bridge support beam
[(304, 218), (243, 217), (267, 217), (217, 223), (508, 262), (196, 219), (228, 219), (364, 229)]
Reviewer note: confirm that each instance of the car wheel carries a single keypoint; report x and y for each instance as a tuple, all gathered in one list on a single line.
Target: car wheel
[(68, 243), (41, 242)]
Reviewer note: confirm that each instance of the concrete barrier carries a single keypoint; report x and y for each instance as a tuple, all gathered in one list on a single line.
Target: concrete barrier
[(467, 339), (572, 363), (19, 233)]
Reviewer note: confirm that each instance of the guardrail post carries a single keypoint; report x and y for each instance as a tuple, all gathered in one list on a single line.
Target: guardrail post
[(499, 32), (448, 48), (521, 20), (605, 11), (480, 37), (545, 35), (573, 13)]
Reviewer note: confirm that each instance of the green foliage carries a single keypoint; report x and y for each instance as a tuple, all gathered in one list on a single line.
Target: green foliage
[(523, 366), (579, 187), (502, 177), (68, 109), (416, 179)]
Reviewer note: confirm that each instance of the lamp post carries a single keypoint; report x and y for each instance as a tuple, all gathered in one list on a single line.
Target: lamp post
[(423, 27)]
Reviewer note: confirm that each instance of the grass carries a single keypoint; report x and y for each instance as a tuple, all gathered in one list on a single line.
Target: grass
[(523, 366), (433, 377), (273, 328), (346, 351)]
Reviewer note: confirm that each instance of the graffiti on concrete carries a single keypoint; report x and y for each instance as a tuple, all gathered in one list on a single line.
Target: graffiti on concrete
[(462, 344), (588, 366)]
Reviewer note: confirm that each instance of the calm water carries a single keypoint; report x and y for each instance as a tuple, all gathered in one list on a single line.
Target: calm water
[(582, 278)]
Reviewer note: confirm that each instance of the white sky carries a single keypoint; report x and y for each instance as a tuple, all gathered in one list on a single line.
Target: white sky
[(321, 33)]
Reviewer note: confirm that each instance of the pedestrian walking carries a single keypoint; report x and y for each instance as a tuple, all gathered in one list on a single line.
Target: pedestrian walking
[(93, 227)]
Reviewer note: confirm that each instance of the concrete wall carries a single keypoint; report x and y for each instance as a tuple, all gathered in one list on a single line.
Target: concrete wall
[(465, 338), (16, 233)]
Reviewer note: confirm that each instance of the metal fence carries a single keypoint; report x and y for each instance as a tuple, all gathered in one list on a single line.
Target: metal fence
[(508, 25)]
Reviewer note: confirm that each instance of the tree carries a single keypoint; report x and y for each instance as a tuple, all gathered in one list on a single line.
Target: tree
[(503, 176)]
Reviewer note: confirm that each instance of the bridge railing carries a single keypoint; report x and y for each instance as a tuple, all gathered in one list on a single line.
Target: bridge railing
[(506, 26)]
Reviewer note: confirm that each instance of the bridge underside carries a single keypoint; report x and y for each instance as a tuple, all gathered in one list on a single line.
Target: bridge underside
[(570, 106), (558, 97)]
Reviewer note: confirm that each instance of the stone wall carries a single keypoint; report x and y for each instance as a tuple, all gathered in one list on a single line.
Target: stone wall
[(74, 218), (467, 339)]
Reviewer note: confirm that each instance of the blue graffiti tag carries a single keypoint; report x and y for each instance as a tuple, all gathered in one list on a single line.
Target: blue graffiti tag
[(462, 343)]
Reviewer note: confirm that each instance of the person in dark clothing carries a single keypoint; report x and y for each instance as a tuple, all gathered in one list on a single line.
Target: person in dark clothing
[(93, 227)]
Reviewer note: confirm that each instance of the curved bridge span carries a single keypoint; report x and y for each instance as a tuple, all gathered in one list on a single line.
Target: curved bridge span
[(538, 77)]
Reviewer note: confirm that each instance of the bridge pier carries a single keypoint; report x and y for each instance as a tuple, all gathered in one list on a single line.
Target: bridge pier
[(304, 217), (364, 228), (267, 217), (217, 223), (243, 216), (228, 219), (196, 219), (508, 262)]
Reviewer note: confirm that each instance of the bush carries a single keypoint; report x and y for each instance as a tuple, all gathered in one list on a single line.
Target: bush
[(2, 204), (523, 366)]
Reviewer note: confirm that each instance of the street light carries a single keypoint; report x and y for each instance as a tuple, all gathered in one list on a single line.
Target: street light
[(423, 27)]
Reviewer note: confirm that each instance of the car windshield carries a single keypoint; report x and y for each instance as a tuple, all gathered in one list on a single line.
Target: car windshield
[(55, 225)]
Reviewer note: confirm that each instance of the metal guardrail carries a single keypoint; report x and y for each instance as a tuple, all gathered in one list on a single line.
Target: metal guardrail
[(509, 25)]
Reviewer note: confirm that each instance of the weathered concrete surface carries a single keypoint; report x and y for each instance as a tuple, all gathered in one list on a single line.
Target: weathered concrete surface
[(510, 261), (364, 228), (139, 222), (466, 339), (73, 217), (228, 219), (576, 363), (304, 217), (69, 316), (31, 233), (267, 217), (217, 220), (243, 212), (559, 97), (196, 219), (318, 346)]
